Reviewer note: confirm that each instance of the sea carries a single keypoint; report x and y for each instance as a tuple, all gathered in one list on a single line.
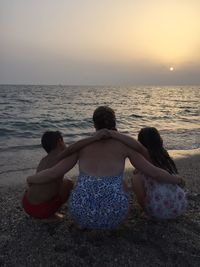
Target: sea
[(27, 111)]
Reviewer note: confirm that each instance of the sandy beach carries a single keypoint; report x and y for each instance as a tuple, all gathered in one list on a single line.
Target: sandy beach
[(76, 67), (138, 242)]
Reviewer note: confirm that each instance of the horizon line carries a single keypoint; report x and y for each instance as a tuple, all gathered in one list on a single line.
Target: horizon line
[(90, 85)]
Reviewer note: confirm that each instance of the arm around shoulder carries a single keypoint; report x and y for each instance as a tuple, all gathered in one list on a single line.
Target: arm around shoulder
[(82, 143), (140, 163), (131, 143), (53, 173)]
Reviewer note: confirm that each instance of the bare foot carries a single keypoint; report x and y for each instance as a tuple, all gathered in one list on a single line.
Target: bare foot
[(57, 217)]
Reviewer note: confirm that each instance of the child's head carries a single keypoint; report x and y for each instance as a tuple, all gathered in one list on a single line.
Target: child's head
[(150, 138), (51, 139)]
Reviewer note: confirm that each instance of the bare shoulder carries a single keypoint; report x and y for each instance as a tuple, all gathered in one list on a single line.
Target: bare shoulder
[(45, 163), (136, 155), (102, 145)]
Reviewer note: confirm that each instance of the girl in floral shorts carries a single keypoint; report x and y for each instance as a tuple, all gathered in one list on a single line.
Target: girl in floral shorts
[(163, 201), (159, 200)]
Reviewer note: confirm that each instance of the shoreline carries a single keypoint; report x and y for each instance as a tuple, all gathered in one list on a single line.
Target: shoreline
[(177, 154), (137, 242), (13, 178)]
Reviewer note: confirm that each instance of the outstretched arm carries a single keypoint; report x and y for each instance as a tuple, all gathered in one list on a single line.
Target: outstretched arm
[(140, 163), (51, 174), (82, 143), (131, 143)]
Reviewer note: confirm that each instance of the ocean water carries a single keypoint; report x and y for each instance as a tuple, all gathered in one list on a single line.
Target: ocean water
[(27, 111)]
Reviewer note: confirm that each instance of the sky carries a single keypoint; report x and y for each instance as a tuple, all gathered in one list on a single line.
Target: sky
[(92, 42)]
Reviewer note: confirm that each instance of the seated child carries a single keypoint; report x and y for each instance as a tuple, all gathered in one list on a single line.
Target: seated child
[(158, 199), (44, 197)]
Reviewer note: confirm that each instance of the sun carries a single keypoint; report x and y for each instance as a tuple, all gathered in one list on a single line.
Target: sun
[(171, 69)]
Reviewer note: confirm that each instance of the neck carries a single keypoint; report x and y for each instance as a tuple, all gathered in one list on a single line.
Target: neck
[(55, 151)]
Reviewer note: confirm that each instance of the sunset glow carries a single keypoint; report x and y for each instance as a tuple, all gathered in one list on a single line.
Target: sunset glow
[(79, 41)]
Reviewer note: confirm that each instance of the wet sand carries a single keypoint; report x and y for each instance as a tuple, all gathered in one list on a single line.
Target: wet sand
[(138, 242)]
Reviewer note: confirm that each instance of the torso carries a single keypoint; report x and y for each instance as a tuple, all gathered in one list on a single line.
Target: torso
[(99, 200), (41, 193), (105, 157)]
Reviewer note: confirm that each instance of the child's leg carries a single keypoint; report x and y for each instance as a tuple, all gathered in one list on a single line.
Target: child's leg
[(66, 189), (139, 190)]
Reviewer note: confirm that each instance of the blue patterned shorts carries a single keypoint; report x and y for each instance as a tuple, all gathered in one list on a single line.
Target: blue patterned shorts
[(99, 202)]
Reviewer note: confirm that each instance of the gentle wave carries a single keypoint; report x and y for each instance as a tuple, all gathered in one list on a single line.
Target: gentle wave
[(28, 111), (17, 148), (17, 170)]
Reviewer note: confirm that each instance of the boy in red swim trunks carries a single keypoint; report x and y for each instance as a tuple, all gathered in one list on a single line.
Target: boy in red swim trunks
[(43, 198)]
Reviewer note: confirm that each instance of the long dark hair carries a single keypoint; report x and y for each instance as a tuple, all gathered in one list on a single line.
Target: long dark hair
[(151, 139)]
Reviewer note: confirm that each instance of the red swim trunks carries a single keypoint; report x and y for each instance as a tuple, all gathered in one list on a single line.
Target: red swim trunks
[(43, 210)]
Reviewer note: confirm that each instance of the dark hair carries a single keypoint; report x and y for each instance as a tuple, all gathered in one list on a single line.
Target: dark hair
[(104, 117), (152, 140), (50, 139)]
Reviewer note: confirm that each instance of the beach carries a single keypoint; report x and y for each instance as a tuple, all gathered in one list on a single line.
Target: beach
[(138, 242), (59, 62)]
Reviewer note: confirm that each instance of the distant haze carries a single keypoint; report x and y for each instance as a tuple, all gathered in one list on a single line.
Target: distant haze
[(100, 42)]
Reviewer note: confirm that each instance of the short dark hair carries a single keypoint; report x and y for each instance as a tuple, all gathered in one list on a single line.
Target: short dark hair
[(50, 139), (104, 117)]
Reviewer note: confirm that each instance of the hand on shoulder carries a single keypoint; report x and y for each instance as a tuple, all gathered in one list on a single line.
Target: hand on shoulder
[(102, 134)]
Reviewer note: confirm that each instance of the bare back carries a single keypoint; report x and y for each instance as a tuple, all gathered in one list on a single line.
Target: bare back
[(107, 158), (38, 193), (103, 158)]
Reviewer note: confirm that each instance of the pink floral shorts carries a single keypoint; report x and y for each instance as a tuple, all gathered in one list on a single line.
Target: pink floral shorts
[(164, 201)]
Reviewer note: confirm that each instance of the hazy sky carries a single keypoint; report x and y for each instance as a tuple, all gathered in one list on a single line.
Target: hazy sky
[(100, 42)]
